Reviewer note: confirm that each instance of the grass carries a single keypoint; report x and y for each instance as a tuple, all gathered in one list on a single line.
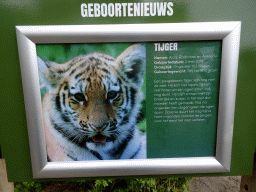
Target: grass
[(168, 184)]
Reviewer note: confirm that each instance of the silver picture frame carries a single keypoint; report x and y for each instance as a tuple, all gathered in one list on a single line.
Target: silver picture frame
[(227, 32)]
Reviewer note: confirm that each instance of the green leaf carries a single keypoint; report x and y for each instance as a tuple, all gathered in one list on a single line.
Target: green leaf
[(105, 183)]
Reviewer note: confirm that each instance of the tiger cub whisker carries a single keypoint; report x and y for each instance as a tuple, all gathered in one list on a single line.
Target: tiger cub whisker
[(92, 105)]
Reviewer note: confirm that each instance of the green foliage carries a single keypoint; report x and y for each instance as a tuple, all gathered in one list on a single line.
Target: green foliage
[(177, 184), (160, 184), (28, 187), (61, 53)]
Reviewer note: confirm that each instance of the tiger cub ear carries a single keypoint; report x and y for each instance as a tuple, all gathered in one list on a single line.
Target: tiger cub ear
[(50, 73), (132, 62)]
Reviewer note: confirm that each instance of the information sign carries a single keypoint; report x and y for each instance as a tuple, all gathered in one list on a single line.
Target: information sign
[(182, 98), (83, 121)]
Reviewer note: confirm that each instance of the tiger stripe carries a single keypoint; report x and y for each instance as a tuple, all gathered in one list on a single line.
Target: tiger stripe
[(91, 109)]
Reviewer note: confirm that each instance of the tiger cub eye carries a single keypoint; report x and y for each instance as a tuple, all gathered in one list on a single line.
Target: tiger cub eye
[(79, 97), (112, 95)]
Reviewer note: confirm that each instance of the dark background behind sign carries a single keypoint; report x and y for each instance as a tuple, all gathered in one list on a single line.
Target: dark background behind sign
[(13, 129)]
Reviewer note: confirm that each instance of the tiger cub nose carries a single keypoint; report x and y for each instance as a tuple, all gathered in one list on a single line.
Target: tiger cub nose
[(99, 128)]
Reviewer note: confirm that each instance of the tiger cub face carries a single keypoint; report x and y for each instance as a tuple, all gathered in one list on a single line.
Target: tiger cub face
[(94, 100)]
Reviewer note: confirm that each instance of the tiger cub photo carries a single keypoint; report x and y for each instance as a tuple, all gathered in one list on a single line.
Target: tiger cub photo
[(92, 107)]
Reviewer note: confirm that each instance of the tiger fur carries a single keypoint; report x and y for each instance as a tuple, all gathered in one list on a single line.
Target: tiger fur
[(91, 109)]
